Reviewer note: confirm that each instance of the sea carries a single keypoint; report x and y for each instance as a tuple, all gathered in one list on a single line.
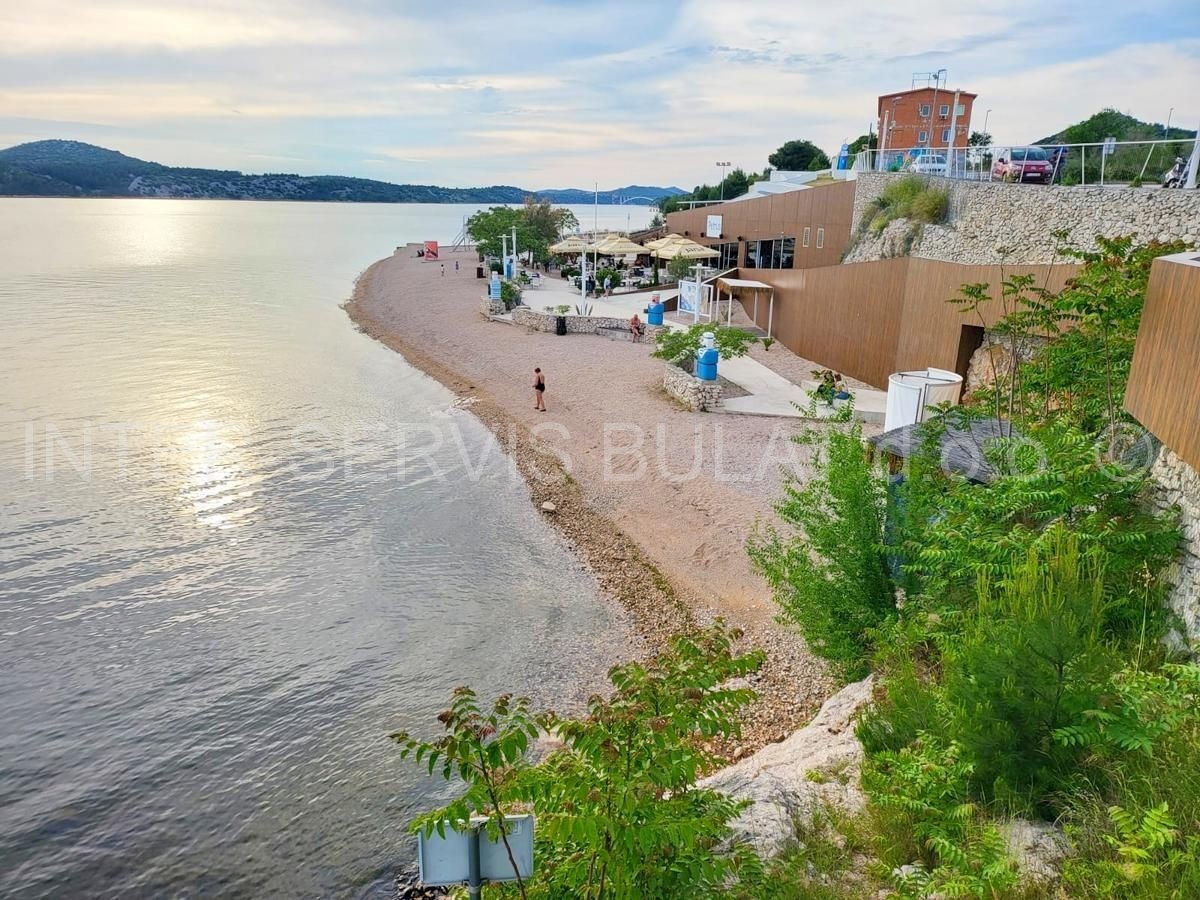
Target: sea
[(241, 543)]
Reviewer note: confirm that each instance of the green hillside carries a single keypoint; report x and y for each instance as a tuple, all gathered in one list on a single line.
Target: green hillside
[(1125, 163), (75, 169)]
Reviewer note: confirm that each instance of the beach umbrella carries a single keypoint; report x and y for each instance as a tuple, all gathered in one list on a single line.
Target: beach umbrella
[(663, 241), (685, 249), (572, 244), (619, 245)]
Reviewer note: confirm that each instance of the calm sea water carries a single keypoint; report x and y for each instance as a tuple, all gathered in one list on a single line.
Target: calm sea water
[(240, 543)]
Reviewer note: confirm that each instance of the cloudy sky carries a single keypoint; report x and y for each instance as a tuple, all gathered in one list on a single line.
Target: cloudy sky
[(556, 94)]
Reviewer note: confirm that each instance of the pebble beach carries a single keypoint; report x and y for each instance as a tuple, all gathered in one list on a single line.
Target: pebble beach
[(656, 501)]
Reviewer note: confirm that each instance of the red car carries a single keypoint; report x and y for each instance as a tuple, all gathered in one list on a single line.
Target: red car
[(1023, 164)]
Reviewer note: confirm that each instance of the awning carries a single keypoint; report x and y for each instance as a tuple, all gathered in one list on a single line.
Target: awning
[(729, 283)]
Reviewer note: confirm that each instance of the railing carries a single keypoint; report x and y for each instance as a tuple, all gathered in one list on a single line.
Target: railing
[(1099, 163)]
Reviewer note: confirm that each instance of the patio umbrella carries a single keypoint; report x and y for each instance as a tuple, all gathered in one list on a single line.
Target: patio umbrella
[(572, 244), (663, 241), (619, 245), (685, 249)]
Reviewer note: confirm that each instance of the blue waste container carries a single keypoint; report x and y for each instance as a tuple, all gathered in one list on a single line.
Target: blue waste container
[(654, 314), (706, 364)]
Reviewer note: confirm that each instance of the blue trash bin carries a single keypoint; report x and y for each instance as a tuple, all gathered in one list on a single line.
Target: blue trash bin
[(706, 364)]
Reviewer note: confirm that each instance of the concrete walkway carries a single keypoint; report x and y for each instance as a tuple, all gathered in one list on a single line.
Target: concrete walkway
[(770, 394)]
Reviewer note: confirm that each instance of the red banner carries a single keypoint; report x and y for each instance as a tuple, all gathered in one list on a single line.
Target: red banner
[(431, 249)]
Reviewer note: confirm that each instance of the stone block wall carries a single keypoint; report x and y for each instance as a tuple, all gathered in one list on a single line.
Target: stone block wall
[(993, 222), (548, 322), (1178, 485), (696, 395), (489, 307)]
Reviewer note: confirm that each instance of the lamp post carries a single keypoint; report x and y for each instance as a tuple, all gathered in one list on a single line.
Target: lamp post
[(986, 116), (721, 167)]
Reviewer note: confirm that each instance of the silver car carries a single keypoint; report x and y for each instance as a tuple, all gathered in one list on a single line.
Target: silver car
[(928, 164)]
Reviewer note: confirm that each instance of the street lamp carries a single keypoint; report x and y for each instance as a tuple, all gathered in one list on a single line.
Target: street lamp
[(721, 167)]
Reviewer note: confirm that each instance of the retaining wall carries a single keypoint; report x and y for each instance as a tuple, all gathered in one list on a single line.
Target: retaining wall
[(548, 322), (696, 395), (1179, 486), (993, 222)]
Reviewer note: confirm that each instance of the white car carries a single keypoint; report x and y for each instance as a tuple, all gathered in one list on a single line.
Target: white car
[(928, 164)]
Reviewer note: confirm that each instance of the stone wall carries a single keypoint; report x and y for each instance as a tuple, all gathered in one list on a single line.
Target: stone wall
[(1179, 486), (696, 395), (548, 322), (993, 222), (489, 307)]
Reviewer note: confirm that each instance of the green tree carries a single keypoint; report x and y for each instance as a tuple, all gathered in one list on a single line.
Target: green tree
[(678, 346), (798, 156), (829, 569), (538, 225), (864, 142)]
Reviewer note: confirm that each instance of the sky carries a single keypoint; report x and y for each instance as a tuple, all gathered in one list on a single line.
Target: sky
[(551, 93)]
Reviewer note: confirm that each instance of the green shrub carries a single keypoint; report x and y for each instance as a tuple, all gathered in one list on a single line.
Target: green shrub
[(1033, 658), (679, 346), (613, 274), (829, 572), (618, 810), (1136, 831), (919, 799), (510, 294), (908, 197), (929, 206)]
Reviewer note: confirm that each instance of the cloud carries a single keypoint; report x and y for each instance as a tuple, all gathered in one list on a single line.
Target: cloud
[(559, 93)]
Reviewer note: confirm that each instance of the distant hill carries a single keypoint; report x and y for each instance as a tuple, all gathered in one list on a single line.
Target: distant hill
[(75, 169), (1110, 123), (1129, 162)]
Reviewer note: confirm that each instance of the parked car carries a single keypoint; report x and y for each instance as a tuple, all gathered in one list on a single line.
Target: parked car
[(927, 163), (1023, 164)]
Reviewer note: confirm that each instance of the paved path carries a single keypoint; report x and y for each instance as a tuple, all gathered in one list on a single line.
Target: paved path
[(769, 393)]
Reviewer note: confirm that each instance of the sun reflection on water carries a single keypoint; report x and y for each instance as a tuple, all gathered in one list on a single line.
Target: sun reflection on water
[(215, 484)]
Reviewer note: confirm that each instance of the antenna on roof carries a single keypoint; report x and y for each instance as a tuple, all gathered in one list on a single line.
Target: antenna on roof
[(929, 79)]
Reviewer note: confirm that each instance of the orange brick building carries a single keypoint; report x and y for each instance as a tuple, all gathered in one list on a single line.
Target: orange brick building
[(925, 117)]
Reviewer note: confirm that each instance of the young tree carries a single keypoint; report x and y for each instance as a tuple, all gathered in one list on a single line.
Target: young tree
[(798, 156)]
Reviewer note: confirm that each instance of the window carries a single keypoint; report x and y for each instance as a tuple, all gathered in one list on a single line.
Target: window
[(807, 232), (751, 255), (944, 110), (773, 254), (924, 110), (922, 137), (945, 135), (820, 238), (729, 255), (960, 110)]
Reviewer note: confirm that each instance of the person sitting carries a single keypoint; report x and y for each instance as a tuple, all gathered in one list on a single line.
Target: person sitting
[(636, 329)]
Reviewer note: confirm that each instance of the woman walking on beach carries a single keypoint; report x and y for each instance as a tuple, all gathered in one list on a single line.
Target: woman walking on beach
[(539, 390)]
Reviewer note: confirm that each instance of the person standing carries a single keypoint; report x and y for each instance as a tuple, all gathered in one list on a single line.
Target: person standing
[(443, 270), (607, 285), (539, 390), (456, 265)]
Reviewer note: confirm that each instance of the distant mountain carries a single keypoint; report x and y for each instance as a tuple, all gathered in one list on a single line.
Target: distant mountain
[(75, 169), (1110, 123)]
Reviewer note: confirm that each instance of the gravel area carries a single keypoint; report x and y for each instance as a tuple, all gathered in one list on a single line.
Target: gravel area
[(657, 501)]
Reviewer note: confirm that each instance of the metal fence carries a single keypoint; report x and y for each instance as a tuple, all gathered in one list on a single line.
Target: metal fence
[(1100, 163)]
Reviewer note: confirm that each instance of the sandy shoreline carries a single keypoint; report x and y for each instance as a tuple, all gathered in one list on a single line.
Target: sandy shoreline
[(656, 501)]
